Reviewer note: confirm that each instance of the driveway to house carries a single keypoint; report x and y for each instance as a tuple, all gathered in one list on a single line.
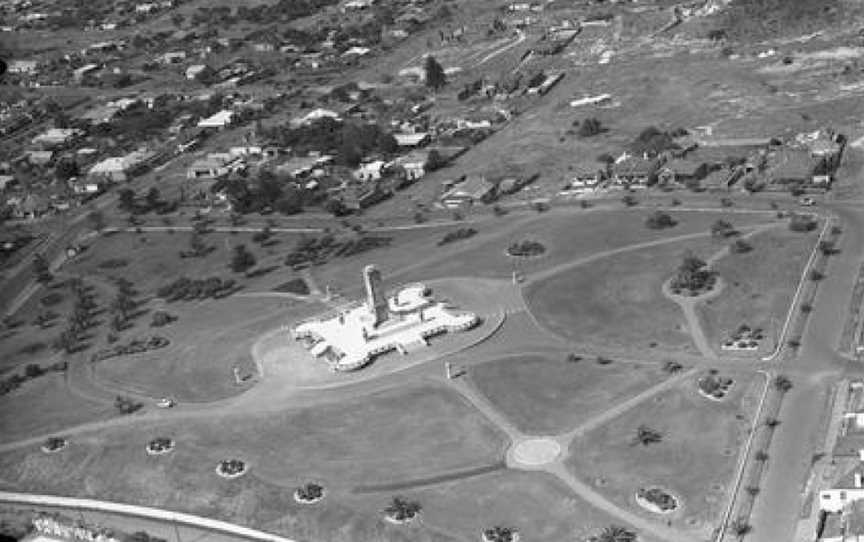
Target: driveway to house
[(816, 366)]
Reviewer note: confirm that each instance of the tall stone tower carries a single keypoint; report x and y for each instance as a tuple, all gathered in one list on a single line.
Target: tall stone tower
[(376, 301)]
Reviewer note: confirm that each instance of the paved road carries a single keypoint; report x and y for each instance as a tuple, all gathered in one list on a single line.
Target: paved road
[(816, 366)]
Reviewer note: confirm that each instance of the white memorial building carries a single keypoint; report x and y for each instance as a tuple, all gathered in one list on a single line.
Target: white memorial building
[(353, 336)]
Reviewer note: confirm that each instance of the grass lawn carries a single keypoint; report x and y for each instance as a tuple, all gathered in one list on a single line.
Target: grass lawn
[(43, 405), (207, 340), (616, 303), (427, 431), (550, 395), (759, 285), (695, 459), (152, 259), (569, 234), (535, 503)]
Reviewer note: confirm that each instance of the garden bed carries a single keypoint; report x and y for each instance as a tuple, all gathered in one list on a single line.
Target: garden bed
[(159, 446), (231, 468), (54, 444), (715, 387), (309, 494), (657, 500)]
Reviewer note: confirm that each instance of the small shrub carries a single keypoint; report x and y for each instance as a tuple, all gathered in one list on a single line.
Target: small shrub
[(162, 318), (660, 220)]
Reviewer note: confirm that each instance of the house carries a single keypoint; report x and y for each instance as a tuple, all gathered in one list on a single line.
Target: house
[(681, 171), (633, 170), (39, 158), (411, 140), (84, 187), (218, 120), (146, 8), (586, 176), (195, 70), (213, 166), (844, 526), (370, 171), (413, 165), (171, 57), (55, 137), (792, 166), (30, 206), (360, 197), (723, 178), (314, 115), (357, 5), (23, 67), (356, 52), (120, 168), (82, 72), (303, 166), (475, 189), (6, 182)]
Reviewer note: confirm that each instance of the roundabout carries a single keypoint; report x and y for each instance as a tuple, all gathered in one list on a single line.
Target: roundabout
[(533, 453)]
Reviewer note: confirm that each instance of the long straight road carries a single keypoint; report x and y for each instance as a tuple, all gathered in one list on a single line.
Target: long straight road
[(813, 370)]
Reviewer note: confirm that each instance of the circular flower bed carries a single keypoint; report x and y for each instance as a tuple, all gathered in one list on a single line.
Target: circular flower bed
[(54, 444), (309, 494), (500, 534), (714, 387), (656, 500), (159, 446), (526, 249), (401, 511), (231, 468)]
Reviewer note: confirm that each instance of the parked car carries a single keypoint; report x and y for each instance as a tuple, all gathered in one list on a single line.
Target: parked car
[(165, 402), (806, 202)]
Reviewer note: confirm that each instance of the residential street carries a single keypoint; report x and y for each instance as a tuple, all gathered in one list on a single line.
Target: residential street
[(812, 371)]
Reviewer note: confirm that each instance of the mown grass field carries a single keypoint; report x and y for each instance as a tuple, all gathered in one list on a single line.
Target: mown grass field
[(543, 395), (616, 303), (387, 437), (43, 405), (695, 460), (758, 285)]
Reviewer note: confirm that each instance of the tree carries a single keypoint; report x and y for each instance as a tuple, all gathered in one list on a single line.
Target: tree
[(615, 533), (782, 383), (629, 200), (435, 76), (660, 220), (740, 527), (434, 161), (499, 534), (645, 436), (722, 228), (336, 207), (126, 197), (153, 198), (402, 510), (42, 269), (740, 246), (97, 220), (242, 259), (66, 169), (590, 127)]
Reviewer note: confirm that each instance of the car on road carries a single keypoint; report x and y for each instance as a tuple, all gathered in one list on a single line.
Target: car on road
[(806, 202), (165, 402)]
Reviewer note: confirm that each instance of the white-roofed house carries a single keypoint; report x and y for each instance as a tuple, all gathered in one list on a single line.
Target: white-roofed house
[(370, 171), (218, 120), (119, 168)]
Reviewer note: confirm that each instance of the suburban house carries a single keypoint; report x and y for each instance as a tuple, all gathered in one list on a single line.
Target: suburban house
[(303, 166), (474, 189), (213, 166), (314, 115), (370, 171), (39, 158), (82, 72), (680, 171), (55, 137), (120, 168), (844, 526), (723, 178), (792, 166), (633, 170), (195, 70), (360, 197), (218, 120), (586, 176), (411, 140), (23, 67), (412, 164)]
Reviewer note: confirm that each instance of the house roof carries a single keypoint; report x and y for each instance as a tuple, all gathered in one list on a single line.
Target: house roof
[(118, 164), (587, 169), (792, 164), (217, 120), (475, 186), (683, 166), (410, 140), (634, 166)]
